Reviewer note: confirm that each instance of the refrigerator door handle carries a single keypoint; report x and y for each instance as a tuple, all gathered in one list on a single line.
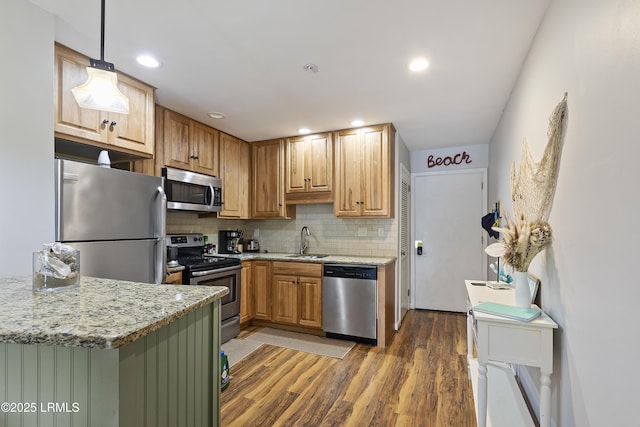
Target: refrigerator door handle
[(162, 214), (58, 195), (160, 270)]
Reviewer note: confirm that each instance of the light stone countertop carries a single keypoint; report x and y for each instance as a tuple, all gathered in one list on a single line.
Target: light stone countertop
[(329, 259), (100, 313)]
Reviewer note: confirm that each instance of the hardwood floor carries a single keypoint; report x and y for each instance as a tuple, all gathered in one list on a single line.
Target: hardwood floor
[(419, 380)]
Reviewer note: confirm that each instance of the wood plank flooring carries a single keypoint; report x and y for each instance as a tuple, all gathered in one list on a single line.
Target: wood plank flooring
[(419, 380)]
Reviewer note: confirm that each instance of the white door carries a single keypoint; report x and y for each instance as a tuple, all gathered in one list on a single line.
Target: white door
[(447, 212)]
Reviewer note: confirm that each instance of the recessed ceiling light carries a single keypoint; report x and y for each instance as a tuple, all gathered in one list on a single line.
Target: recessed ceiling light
[(311, 68), (148, 61), (419, 64), (215, 115), (304, 131), (357, 122)]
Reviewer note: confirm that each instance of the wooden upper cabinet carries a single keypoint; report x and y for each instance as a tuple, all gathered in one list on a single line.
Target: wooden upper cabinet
[(364, 172), (234, 171), (189, 144), (205, 149), (131, 133), (268, 161), (177, 140), (309, 169)]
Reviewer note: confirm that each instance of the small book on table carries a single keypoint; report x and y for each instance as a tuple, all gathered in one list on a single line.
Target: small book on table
[(517, 313)]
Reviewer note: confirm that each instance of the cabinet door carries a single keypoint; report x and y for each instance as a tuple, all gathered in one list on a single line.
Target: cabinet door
[(268, 179), (246, 293), (319, 163), (285, 299), (177, 136), (347, 199), (134, 131), (295, 176), (376, 172), (262, 290), (310, 301), (70, 71), (205, 149), (234, 171)]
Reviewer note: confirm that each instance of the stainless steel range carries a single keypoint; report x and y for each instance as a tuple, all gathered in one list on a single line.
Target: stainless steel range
[(205, 270)]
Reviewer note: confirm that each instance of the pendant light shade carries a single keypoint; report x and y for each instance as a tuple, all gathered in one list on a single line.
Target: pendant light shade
[(100, 91)]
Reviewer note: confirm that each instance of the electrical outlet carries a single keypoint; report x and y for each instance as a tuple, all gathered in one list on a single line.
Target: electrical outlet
[(256, 233), (380, 231), (362, 231)]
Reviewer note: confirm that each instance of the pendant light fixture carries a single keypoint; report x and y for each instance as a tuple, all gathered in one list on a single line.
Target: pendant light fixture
[(100, 91)]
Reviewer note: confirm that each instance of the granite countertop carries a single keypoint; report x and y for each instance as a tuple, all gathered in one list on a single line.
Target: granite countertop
[(332, 259), (100, 313)]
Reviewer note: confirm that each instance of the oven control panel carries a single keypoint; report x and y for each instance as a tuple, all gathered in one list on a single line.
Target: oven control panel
[(185, 240)]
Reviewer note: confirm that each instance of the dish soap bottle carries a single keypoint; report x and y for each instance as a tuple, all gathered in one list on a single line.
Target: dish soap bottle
[(224, 371)]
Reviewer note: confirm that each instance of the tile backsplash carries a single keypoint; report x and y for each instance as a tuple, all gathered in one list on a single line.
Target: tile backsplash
[(329, 235)]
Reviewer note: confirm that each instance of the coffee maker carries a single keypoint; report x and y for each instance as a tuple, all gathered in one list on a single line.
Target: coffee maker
[(228, 241)]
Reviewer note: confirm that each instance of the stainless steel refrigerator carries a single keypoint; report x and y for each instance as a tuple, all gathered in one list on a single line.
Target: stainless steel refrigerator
[(115, 218)]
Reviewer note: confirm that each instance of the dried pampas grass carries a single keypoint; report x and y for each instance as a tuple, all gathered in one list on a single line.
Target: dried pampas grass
[(521, 241)]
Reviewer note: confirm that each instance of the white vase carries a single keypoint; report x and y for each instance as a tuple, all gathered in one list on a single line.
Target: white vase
[(523, 292)]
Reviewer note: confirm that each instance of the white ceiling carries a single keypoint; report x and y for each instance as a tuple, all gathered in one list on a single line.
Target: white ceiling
[(245, 58)]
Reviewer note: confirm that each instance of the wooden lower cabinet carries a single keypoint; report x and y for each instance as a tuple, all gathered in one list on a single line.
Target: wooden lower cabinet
[(288, 294), (285, 298), (174, 278), (297, 293), (310, 302), (246, 293), (261, 274)]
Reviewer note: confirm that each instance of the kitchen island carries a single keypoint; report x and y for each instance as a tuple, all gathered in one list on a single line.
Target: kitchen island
[(109, 353)]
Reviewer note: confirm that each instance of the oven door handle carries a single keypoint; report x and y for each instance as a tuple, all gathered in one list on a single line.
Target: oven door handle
[(215, 271)]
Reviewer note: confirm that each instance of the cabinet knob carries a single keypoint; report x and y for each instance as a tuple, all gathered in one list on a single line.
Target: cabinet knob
[(195, 157), (105, 122), (112, 124)]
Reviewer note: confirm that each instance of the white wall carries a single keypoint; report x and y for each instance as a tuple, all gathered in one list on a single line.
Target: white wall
[(26, 136), (590, 49)]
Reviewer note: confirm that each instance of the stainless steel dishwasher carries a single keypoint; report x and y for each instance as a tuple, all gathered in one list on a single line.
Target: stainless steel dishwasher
[(350, 301)]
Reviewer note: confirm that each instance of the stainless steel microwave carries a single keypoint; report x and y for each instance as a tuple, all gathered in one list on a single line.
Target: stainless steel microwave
[(190, 191)]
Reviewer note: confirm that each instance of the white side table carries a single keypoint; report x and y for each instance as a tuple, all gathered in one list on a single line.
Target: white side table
[(511, 341)]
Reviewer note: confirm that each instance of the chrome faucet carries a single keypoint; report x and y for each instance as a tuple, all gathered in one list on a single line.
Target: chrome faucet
[(304, 239)]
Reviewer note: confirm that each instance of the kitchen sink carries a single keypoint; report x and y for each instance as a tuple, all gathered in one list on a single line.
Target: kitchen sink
[(307, 256)]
